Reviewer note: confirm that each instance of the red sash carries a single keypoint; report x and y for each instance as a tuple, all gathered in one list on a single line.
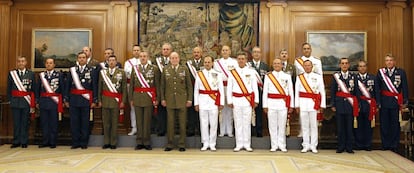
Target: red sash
[(247, 95), (354, 98), (59, 103), (315, 97), (372, 106), (280, 96), (17, 93), (151, 90), (279, 88), (214, 92), (80, 92), (392, 94), (224, 83)]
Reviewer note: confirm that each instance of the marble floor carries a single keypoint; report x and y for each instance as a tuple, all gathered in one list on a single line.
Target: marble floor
[(125, 159)]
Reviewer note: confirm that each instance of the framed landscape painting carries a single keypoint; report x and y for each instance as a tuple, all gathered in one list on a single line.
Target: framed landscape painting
[(331, 46), (60, 44)]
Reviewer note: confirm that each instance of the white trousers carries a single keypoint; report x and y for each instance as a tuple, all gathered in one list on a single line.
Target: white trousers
[(277, 128), (208, 135), (226, 124), (242, 125), (309, 128), (132, 115)]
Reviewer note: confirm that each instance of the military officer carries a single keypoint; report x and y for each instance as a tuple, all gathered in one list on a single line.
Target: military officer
[(367, 107), (392, 94), (162, 62), (105, 64), (277, 103), (242, 97), (344, 104), (176, 95), (224, 65), (81, 96), (316, 62), (144, 96), (208, 100), (89, 60), (112, 95), (286, 66), (310, 100), (128, 68), (262, 68), (194, 65), (20, 93)]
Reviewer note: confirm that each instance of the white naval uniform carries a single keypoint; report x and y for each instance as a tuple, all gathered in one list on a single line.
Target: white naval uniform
[(317, 65), (208, 111), (242, 110), (307, 112), (226, 125), (128, 68), (277, 110)]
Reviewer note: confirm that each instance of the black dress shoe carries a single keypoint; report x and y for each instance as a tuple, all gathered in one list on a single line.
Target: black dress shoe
[(168, 149), (75, 147), (161, 134), (106, 146), (113, 147), (148, 147), (139, 147), (368, 149), (339, 151), (181, 149), (84, 147), (259, 135), (190, 134), (44, 146), (52, 146), (24, 145), (350, 151), (15, 145)]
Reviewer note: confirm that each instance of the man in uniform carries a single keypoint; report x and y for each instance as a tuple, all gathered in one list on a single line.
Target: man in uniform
[(208, 100), (80, 98), (310, 100), (144, 96), (286, 66), (344, 104), (176, 95), (49, 98), (128, 68), (90, 61), (224, 65), (162, 62), (242, 97), (20, 93), (112, 95), (392, 94), (277, 103), (261, 68), (194, 65), (105, 64), (367, 107)]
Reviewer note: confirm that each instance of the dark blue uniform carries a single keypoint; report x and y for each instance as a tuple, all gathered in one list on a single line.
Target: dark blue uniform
[(344, 111), (79, 106), (262, 70), (20, 107), (363, 134), (389, 108), (48, 107)]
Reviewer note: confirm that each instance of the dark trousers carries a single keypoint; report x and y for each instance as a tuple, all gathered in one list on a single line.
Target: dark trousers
[(20, 125), (344, 123), (193, 121), (79, 122), (110, 124), (181, 113), (162, 119), (259, 115), (143, 117), (363, 134), (390, 128), (49, 123)]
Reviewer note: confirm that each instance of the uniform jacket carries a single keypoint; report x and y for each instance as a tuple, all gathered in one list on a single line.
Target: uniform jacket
[(118, 78), (176, 87), (55, 81), (228, 64), (341, 104), (317, 65), (249, 79), (152, 76), (261, 70), (28, 81), (285, 81), (370, 81), (399, 80), (197, 66), (215, 81), (88, 81), (315, 81)]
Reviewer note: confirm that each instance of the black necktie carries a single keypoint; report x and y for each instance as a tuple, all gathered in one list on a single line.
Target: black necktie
[(21, 73)]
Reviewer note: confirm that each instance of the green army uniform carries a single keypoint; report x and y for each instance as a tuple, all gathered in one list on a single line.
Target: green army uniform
[(143, 103), (110, 107), (176, 89)]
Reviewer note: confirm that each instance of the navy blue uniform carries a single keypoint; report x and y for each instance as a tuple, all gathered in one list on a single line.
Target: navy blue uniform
[(363, 134), (20, 107), (79, 106), (344, 111), (262, 70), (48, 107), (389, 107)]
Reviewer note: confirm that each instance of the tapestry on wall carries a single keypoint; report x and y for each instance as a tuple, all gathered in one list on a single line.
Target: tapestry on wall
[(187, 25)]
